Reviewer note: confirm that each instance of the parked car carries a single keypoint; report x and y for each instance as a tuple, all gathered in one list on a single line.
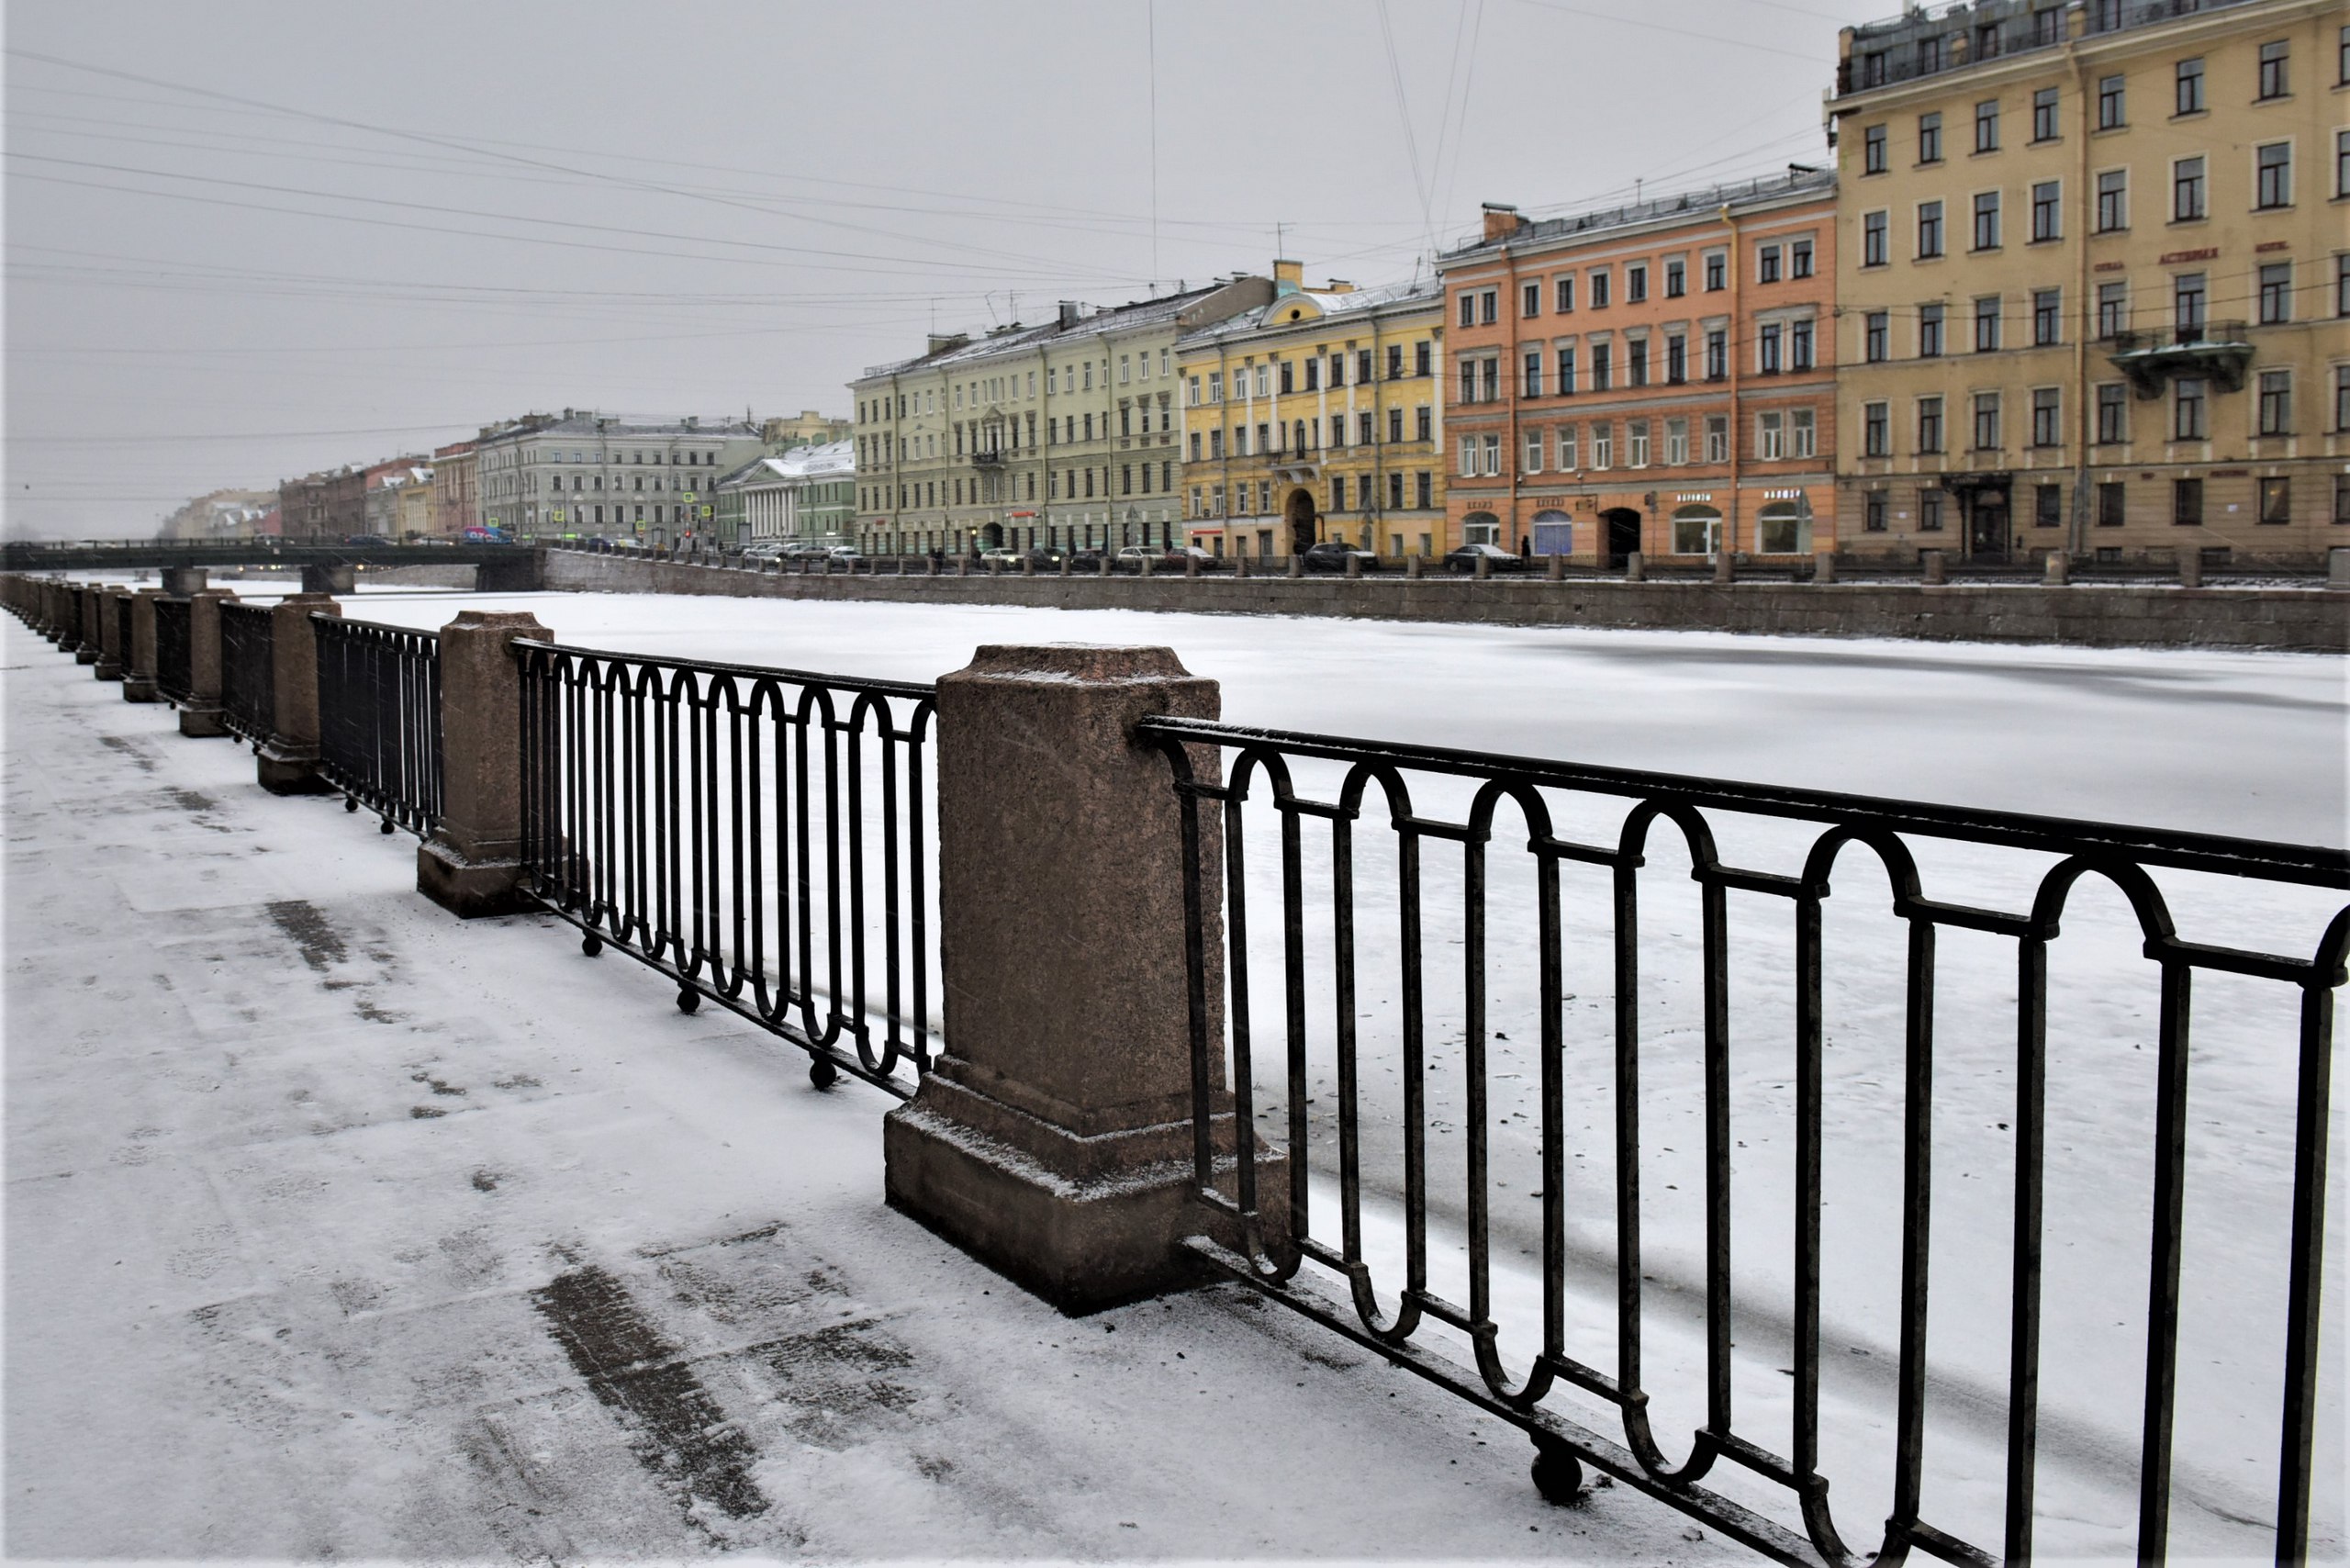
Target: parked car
[(763, 550), (1465, 560), (1086, 560), (480, 534), (1046, 558), (370, 539), (848, 553), (1331, 555), (1178, 556), (1000, 556)]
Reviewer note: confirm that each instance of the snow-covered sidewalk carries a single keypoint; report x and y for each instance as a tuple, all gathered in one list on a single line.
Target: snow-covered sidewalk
[(338, 1228)]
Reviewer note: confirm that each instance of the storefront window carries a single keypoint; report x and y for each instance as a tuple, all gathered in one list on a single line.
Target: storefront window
[(1696, 530), (1784, 529)]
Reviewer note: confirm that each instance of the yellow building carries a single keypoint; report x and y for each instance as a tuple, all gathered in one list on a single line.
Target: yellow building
[(2092, 277), (1317, 416)]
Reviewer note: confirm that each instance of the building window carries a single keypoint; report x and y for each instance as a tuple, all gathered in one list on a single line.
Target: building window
[(1873, 335), (2112, 102), (1489, 311), (1770, 433), (2110, 500), (1930, 425), (2047, 316), (1636, 443), (1929, 511), (2187, 97), (1799, 345), (2112, 413), (1986, 324), (1529, 299), (1533, 373), (2341, 398), (2275, 501), (1875, 439), (1676, 358), (2276, 294), (2047, 506), (1676, 279), (1468, 456), (1599, 288), (1987, 125), (1603, 369), (2275, 402), (1767, 357), (1533, 451), (2273, 58), (1568, 460), (1930, 230), (1929, 139), (2186, 190), (1717, 354), (1424, 359), (2187, 302), (1986, 422), (1803, 434), (1872, 244), (2187, 502), (2047, 429), (2189, 413), (1567, 372), (1636, 362), (1766, 264), (1799, 258), (2047, 221), (2043, 115), (1636, 283), (1986, 220), (1872, 150), (1676, 441), (2273, 176), (1603, 445), (1929, 331), (1717, 438), (2112, 201), (1566, 293), (1872, 512)]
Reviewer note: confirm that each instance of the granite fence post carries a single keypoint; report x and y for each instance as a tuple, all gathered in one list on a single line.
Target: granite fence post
[(287, 762), (1635, 567), (1052, 1141), (89, 628), (471, 864), (202, 713), (1823, 566), (2056, 571), (2190, 567), (1932, 567), (139, 659), (111, 621)]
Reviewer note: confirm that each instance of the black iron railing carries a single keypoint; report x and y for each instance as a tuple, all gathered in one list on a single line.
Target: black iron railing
[(174, 679), (1388, 1057), (248, 671), (379, 719), (760, 835)]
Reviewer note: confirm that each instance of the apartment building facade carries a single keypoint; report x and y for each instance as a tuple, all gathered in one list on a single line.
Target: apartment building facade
[(1657, 377), (1058, 435), (1317, 416), (455, 489), (808, 495), (2095, 291), (594, 474)]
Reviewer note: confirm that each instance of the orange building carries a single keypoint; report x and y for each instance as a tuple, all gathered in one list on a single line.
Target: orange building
[(1656, 377)]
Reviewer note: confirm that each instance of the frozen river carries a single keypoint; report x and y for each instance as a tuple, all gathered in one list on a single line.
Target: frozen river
[(2251, 746)]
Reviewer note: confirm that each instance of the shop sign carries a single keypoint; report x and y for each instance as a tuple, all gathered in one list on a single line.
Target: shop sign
[(1783, 495), (1694, 495)]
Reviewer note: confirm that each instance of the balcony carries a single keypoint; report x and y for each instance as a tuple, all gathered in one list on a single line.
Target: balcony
[(2215, 351), (988, 457)]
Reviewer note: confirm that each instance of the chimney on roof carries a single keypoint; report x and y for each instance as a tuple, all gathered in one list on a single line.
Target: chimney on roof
[(1069, 313), (1339, 285), (1288, 276), (1500, 221)]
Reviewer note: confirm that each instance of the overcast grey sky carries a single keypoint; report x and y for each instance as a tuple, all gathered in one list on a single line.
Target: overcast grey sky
[(247, 240)]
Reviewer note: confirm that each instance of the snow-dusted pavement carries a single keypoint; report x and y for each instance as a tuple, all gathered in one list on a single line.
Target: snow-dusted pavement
[(338, 1228)]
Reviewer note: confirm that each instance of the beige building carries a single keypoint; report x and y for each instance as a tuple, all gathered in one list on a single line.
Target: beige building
[(1317, 416), (1058, 435), (2092, 277), (810, 428)]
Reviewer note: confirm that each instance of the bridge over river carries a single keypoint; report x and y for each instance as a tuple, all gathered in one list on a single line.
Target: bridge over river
[(326, 564)]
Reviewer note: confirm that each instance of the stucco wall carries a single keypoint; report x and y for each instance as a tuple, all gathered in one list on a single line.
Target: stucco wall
[(2135, 615)]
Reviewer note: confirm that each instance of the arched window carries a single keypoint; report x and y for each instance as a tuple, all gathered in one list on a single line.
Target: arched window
[(1554, 534), (1481, 528), (1697, 531), (1784, 529)]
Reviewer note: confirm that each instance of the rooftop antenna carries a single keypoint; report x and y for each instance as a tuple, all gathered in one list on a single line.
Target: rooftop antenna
[(1150, 24)]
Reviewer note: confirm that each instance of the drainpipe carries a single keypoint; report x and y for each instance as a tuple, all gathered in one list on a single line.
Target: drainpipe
[(1377, 510), (1728, 544), (2084, 306), (1509, 374)]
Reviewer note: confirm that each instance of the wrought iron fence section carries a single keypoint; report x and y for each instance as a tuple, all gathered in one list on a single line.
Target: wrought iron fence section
[(174, 680), (248, 671), (719, 822), (379, 719), (1280, 1239)]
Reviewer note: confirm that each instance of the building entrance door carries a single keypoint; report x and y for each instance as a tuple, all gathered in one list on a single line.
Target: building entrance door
[(1299, 514), (1987, 525), (1623, 533)]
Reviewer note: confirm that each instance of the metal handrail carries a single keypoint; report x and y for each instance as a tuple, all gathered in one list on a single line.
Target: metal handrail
[(379, 719)]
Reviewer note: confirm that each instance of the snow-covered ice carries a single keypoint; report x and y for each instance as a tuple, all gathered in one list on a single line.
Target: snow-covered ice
[(2246, 745)]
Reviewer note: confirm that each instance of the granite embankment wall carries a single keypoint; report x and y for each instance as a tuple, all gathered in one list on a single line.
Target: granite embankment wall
[(2311, 620)]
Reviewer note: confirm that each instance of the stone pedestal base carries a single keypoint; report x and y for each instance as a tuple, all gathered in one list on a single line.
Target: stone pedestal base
[(138, 689), (284, 771), (468, 889), (85, 654), (202, 722), (108, 669), (1085, 1221)]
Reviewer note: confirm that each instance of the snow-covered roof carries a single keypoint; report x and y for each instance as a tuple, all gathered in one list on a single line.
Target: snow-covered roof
[(1415, 294)]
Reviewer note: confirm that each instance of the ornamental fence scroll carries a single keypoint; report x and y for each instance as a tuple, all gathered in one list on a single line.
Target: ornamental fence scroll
[(1549, 1325), (379, 719), (248, 671), (174, 670), (760, 836)]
